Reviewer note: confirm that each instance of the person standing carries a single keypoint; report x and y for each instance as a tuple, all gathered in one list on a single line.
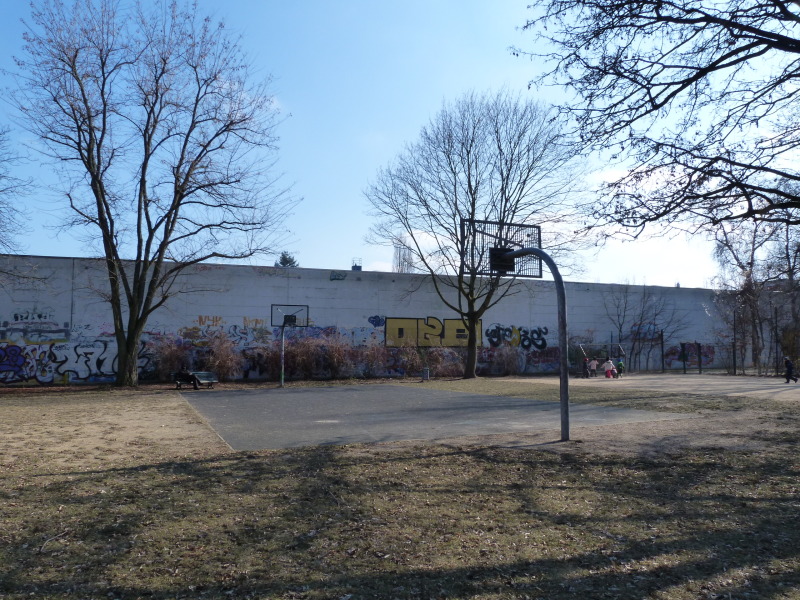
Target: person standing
[(620, 368), (608, 367), (593, 367), (789, 366), (585, 371)]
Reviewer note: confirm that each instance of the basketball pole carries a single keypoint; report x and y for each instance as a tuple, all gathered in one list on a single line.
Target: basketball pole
[(561, 298), (283, 350)]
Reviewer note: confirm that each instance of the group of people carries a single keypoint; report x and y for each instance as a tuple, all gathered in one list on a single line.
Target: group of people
[(611, 370)]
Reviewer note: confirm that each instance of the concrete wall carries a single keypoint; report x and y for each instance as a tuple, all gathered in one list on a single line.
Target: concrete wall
[(55, 325)]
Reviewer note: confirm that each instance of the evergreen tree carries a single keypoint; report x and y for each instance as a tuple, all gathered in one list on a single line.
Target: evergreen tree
[(286, 260)]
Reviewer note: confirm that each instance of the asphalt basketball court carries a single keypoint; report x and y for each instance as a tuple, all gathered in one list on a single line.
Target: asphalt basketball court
[(310, 416)]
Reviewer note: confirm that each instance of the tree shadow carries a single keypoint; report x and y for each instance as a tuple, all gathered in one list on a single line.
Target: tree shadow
[(417, 522)]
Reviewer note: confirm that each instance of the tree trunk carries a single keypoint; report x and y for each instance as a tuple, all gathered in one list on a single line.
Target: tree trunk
[(128, 353), (127, 365), (756, 343), (471, 362)]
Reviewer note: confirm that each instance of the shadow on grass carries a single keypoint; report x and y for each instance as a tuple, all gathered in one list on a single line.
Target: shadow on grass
[(422, 522)]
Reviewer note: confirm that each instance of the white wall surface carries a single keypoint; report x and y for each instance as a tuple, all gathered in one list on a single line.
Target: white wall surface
[(56, 326)]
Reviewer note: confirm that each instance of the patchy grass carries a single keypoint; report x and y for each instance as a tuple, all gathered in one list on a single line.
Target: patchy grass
[(189, 520), (605, 395)]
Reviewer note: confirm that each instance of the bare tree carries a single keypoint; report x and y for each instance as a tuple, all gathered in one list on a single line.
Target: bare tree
[(697, 99), (11, 188), (741, 252), (165, 144), (640, 316), (619, 306), (485, 157), (783, 273)]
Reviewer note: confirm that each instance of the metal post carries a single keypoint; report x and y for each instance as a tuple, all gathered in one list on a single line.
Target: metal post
[(283, 351), (777, 345), (699, 357), (734, 341), (563, 342)]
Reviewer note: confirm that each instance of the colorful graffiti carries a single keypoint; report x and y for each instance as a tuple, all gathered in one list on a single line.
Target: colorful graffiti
[(522, 337), (426, 332), (494, 360), (34, 348), (59, 362)]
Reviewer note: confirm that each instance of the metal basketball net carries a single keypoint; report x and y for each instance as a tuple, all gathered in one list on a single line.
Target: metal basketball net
[(487, 240)]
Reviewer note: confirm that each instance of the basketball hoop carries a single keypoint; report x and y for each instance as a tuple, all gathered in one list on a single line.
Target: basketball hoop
[(487, 244), (288, 315), (493, 248)]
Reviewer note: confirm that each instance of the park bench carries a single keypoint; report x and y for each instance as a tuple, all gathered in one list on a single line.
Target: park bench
[(206, 378), (196, 378)]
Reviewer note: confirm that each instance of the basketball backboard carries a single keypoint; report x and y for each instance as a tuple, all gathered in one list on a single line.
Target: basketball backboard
[(487, 241), (290, 315)]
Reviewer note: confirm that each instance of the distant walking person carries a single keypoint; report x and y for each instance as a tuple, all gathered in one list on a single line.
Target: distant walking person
[(789, 369), (608, 367), (593, 367), (585, 371)]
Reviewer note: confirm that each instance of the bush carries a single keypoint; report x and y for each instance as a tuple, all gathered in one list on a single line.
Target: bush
[(262, 362), (444, 362), (405, 361), (223, 358), (337, 357), (170, 354), (371, 360), (506, 360), (301, 358)]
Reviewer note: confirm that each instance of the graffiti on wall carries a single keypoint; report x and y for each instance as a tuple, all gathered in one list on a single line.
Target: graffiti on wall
[(426, 332), (525, 346), (494, 360), (82, 361), (33, 325), (34, 348), (533, 338)]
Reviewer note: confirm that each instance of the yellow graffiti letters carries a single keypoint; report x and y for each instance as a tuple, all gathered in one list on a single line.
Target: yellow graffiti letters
[(256, 323), (427, 332), (210, 320)]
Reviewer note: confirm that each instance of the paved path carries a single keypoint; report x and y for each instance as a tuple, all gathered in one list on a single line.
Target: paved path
[(290, 417)]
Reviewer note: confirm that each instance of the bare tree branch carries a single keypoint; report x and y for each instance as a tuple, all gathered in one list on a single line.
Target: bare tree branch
[(11, 189), (165, 142), (697, 101), (485, 157)]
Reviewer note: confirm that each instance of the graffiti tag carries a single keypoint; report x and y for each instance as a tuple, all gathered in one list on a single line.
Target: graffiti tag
[(427, 332), (522, 337)]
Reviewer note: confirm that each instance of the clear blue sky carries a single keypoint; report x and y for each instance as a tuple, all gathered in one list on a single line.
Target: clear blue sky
[(359, 78)]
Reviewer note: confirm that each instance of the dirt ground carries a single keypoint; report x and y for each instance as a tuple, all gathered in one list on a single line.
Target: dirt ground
[(734, 413), (69, 429), (81, 428)]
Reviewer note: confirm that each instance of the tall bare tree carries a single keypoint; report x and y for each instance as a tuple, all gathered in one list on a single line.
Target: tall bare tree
[(11, 188), (164, 140), (641, 315), (699, 101), (741, 252), (783, 270), (485, 157)]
